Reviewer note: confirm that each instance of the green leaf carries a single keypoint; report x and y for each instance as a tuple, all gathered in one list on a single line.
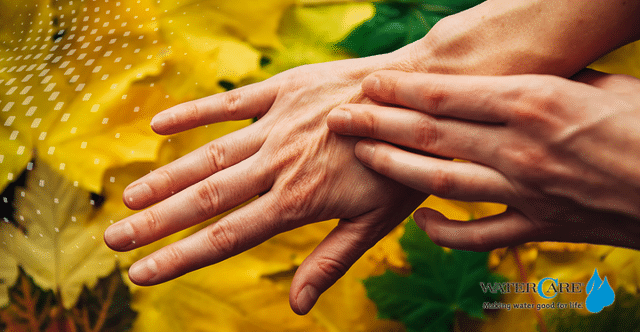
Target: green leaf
[(398, 23), (441, 284), (623, 316)]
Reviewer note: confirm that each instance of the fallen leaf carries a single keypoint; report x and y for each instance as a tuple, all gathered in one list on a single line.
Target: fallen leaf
[(60, 248), (441, 284)]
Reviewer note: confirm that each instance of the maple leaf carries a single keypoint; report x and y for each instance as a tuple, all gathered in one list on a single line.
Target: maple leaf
[(56, 243), (105, 307), (30, 307), (398, 23), (440, 285)]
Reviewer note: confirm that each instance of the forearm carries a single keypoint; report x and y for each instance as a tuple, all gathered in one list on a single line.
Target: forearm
[(557, 37)]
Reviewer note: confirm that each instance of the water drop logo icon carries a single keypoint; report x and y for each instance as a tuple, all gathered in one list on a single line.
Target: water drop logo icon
[(600, 293)]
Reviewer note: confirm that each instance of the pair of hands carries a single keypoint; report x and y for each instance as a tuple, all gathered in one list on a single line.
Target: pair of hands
[(563, 155), (304, 172)]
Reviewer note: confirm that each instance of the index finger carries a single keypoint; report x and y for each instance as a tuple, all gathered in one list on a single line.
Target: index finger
[(243, 103), (476, 98)]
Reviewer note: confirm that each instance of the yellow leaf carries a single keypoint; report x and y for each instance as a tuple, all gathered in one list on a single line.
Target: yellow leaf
[(58, 246), (214, 41), (253, 21), (621, 61), (15, 153), (76, 62), (310, 32), (233, 295), (81, 150), (626, 264), (8, 272), (458, 210)]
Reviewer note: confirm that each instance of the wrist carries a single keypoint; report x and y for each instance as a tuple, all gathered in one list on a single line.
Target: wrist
[(500, 37)]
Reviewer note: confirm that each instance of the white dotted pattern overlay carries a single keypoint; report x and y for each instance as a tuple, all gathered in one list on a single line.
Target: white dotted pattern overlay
[(60, 61)]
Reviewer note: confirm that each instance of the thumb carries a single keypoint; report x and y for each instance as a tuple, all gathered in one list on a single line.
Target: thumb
[(330, 260)]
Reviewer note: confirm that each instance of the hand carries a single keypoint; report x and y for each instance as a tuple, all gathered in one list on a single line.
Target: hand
[(302, 172), (563, 155)]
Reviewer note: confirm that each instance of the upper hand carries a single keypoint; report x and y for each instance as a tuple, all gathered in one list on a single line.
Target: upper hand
[(564, 155), (302, 172)]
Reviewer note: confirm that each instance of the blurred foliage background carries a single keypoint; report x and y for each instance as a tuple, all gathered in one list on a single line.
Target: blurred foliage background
[(79, 83)]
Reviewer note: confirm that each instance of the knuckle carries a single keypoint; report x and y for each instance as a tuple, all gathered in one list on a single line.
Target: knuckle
[(442, 183), (231, 101), (425, 134), (152, 221), (539, 101), (297, 204), (221, 239), (191, 112), (214, 154), (479, 241), (174, 255), (434, 97), (527, 159), (166, 178), (368, 124), (207, 199), (331, 267)]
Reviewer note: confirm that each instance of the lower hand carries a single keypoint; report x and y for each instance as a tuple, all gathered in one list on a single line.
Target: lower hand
[(302, 172), (563, 155)]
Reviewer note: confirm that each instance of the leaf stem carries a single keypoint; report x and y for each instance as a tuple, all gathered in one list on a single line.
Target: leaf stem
[(104, 311), (30, 304)]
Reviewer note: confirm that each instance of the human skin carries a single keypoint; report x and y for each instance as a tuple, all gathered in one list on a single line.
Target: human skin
[(563, 155), (303, 172)]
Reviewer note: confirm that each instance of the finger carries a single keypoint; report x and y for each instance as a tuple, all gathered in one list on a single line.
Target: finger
[(238, 104), (506, 229), (193, 167), (203, 200), (441, 136), (330, 260), (622, 84), (444, 178), (477, 98), (239, 231)]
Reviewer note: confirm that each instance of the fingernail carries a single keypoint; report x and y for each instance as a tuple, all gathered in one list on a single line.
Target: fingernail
[(339, 120), (162, 120), (371, 85), (307, 298), (119, 236), (137, 194), (142, 272), (364, 150)]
